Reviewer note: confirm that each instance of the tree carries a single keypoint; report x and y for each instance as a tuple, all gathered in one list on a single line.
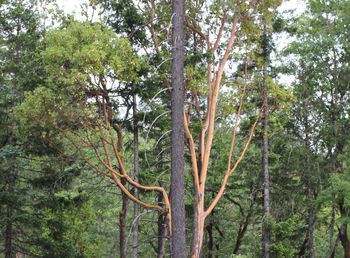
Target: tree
[(20, 69), (136, 174), (211, 56), (81, 106), (265, 146), (322, 49), (177, 188), (216, 77)]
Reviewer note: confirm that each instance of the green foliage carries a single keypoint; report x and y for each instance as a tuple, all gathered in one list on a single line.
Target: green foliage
[(79, 61), (286, 236), (338, 189), (67, 231), (81, 50), (126, 18)]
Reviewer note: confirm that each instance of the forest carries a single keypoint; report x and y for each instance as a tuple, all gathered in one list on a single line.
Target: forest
[(172, 128)]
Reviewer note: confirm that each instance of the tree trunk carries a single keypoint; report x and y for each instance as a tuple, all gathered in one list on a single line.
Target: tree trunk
[(122, 225), (161, 235), (310, 219), (9, 252), (310, 227), (161, 229), (303, 248), (331, 253), (343, 236), (241, 232), (210, 237), (198, 229), (136, 178), (331, 232), (198, 239), (178, 239), (266, 174)]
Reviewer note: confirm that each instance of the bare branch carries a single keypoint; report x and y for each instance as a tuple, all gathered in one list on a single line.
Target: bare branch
[(229, 172), (218, 38), (192, 154)]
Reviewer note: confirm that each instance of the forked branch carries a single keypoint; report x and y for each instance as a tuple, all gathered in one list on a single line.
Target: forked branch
[(229, 171)]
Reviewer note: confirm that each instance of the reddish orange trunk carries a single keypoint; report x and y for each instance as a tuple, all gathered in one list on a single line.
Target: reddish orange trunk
[(198, 230), (198, 238)]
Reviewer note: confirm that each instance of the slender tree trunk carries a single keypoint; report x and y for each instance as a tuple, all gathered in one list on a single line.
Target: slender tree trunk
[(343, 229), (331, 229), (310, 227), (210, 237), (310, 219), (331, 252), (161, 228), (122, 225), (161, 236), (266, 174), (9, 252), (178, 239), (136, 178), (303, 248), (241, 232), (343, 236)]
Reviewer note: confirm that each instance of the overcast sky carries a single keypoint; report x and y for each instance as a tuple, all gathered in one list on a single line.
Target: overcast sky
[(70, 6)]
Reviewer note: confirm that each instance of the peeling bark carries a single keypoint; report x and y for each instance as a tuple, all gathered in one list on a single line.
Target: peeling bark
[(198, 230)]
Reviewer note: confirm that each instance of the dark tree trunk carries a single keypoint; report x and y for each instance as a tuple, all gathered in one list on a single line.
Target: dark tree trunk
[(210, 237), (122, 225), (161, 229), (241, 232), (178, 240), (303, 247), (310, 217), (331, 253), (266, 174), (243, 226), (9, 252), (344, 240), (331, 233), (310, 227), (136, 178), (217, 250), (343, 232)]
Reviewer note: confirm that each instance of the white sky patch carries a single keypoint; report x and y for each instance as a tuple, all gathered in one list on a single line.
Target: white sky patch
[(298, 6), (78, 8), (289, 9), (70, 6)]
